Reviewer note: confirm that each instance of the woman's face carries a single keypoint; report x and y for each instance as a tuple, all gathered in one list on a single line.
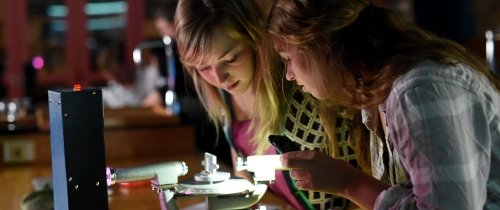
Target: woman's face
[(229, 65), (296, 69)]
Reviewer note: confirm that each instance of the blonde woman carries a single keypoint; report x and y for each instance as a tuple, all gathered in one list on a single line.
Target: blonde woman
[(223, 47)]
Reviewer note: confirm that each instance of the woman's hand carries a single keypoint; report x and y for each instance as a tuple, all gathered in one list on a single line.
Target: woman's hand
[(314, 170)]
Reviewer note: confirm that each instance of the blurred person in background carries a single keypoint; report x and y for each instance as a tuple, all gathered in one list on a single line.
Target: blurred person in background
[(127, 88)]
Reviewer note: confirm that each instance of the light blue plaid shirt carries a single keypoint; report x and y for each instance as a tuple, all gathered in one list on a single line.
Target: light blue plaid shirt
[(444, 123)]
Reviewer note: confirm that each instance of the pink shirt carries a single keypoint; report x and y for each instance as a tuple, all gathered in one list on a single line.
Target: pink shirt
[(241, 140)]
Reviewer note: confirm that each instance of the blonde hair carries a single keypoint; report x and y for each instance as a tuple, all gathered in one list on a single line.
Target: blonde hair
[(195, 20)]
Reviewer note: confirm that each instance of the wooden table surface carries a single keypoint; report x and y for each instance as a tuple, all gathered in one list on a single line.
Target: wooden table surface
[(16, 183)]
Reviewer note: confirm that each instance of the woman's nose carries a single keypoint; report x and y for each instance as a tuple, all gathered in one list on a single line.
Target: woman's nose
[(289, 74), (220, 74)]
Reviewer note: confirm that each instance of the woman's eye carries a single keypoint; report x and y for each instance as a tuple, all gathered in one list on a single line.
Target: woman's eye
[(232, 59), (203, 68)]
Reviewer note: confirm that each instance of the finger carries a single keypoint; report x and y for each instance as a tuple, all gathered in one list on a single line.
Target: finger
[(295, 160), (300, 154), (303, 185), (300, 175), (285, 159)]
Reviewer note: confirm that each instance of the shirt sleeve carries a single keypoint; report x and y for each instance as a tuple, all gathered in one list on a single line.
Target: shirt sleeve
[(441, 133)]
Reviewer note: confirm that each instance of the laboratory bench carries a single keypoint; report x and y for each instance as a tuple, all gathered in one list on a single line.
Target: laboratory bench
[(133, 137)]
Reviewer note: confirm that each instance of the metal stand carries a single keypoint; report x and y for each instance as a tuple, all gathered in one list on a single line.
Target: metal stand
[(221, 191), (163, 176), (166, 195), (240, 202)]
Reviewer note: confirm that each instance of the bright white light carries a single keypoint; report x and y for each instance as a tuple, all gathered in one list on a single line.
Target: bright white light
[(262, 166), (137, 55), (169, 98), (12, 107), (490, 48), (268, 161), (167, 40), (11, 118)]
